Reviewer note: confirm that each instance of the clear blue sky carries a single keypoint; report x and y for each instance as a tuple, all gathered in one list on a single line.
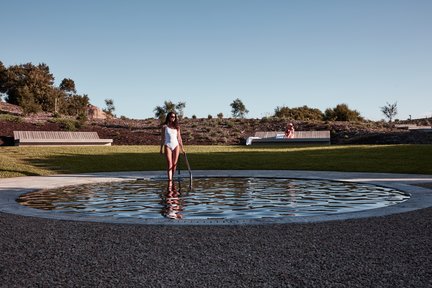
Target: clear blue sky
[(206, 53)]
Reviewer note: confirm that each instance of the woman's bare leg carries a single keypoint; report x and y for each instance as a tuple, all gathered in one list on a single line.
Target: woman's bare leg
[(175, 156), (172, 158), (169, 156)]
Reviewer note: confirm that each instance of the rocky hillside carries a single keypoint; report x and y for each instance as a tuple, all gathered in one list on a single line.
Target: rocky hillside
[(207, 131), (213, 131)]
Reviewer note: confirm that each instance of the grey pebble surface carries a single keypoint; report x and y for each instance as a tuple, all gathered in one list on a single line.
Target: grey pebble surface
[(389, 251)]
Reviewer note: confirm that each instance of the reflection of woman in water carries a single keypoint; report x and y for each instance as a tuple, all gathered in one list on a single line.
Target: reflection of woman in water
[(171, 143), (172, 202)]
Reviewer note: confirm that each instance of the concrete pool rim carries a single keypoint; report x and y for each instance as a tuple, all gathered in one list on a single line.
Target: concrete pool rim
[(12, 188)]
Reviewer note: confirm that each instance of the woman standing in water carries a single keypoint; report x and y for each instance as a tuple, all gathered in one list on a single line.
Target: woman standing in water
[(171, 143)]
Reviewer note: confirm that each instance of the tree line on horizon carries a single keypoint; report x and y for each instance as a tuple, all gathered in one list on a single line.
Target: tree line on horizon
[(339, 113), (32, 88)]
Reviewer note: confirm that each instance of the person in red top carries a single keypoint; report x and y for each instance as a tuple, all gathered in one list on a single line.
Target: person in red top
[(289, 132)]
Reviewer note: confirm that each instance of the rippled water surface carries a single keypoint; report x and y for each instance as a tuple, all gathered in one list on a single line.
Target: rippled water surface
[(214, 198)]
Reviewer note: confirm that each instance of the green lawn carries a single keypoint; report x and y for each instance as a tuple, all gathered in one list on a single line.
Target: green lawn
[(21, 161)]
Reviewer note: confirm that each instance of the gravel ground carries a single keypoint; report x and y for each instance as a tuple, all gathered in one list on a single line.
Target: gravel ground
[(391, 251)]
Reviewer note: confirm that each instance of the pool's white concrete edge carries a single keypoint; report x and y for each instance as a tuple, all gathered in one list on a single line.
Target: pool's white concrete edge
[(12, 188)]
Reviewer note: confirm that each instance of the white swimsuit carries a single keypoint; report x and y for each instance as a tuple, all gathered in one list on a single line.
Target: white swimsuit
[(171, 140)]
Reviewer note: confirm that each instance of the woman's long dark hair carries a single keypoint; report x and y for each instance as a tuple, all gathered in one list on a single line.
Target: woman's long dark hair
[(176, 122)]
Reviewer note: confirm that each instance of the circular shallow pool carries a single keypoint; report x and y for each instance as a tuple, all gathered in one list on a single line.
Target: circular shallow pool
[(214, 198)]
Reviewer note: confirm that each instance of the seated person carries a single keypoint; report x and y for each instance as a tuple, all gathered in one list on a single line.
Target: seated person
[(289, 132)]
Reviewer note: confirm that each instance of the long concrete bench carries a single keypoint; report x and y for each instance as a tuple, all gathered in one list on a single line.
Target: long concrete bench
[(58, 138), (300, 137), (413, 127)]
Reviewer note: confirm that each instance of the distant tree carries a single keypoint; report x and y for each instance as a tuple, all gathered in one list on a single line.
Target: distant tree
[(238, 109), (390, 110), (169, 106), (220, 115), (3, 79), (342, 113), (299, 113), (28, 84), (109, 110), (179, 108), (68, 85), (59, 100), (75, 105), (27, 101), (65, 90), (160, 112)]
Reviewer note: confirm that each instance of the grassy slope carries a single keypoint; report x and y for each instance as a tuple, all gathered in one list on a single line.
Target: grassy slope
[(21, 161)]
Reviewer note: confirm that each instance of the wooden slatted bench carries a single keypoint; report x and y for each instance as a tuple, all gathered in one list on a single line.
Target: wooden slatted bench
[(58, 138), (300, 137)]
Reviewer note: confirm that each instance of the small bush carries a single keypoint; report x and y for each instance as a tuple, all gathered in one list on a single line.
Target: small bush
[(10, 118), (230, 124), (82, 119), (189, 137), (67, 124), (223, 140)]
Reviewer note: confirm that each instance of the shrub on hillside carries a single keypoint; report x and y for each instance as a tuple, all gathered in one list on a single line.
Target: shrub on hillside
[(67, 124), (342, 113), (10, 118), (299, 113)]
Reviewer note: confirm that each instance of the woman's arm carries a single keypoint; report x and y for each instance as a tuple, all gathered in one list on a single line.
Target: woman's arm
[(162, 143)]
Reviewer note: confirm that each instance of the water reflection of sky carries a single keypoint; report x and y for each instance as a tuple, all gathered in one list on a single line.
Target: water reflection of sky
[(214, 198)]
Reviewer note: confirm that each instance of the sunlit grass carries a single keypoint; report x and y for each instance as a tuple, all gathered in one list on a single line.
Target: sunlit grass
[(21, 161)]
